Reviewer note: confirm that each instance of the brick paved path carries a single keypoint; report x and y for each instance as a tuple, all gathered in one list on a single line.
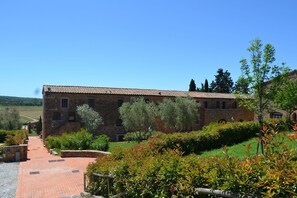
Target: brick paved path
[(45, 175)]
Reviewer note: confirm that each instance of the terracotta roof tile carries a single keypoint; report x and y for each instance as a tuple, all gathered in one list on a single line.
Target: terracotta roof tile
[(130, 91)]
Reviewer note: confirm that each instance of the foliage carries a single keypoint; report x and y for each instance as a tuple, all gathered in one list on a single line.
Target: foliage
[(139, 136), (39, 126), (90, 118), (286, 97), (142, 171), (223, 82), (10, 119), (264, 78), (213, 136), (52, 142), (13, 137), (192, 86), (181, 114), (206, 86), (241, 86), (138, 116), (120, 145), (101, 143), (19, 101), (81, 140)]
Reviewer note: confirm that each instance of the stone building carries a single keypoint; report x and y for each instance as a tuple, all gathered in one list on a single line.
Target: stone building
[(274, 112), (60, 102)]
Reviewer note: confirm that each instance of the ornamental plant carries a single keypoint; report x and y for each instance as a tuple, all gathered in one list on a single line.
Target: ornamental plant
[(147, 171)]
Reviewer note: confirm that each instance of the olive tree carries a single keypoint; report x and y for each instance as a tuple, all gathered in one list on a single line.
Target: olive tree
[(181, 114), (91, 119), (138, 115), (10, 119)]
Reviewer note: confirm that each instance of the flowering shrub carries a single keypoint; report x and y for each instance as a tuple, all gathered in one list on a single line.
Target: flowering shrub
[(19, 134), (13, 137)]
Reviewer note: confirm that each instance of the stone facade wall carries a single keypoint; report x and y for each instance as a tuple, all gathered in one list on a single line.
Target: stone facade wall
[(107, 105), (15, 153), (228, 115)]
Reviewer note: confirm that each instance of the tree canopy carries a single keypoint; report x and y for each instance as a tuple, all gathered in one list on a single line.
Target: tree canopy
[(286, 97), (181, 114), (10, 119), (264, 78), (223, 82), (138, 115), (192, 86), (90, 118)]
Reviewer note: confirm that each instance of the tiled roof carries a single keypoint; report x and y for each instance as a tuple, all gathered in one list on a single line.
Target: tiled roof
[(133, 92)]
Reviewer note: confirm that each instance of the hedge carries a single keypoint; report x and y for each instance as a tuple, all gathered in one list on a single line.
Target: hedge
[(80, 140), (211, 137), (143, 171)]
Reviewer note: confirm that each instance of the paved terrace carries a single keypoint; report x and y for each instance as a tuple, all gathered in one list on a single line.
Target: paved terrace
[(45, 175)]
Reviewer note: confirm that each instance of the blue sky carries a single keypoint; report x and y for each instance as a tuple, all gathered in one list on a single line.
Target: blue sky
[(159, 44)]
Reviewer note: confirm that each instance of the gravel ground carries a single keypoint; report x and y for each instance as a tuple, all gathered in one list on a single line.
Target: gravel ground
[(8, 179)]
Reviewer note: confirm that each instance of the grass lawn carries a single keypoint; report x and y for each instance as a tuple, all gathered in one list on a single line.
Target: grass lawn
[(114, 145), (239, 150), (27, 113)]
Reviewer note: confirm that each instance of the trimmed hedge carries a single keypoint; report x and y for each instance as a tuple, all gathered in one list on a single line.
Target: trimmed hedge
[(211, 137), (143, 171)]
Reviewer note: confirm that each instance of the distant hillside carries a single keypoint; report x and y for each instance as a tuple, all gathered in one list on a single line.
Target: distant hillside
[(19, 101)]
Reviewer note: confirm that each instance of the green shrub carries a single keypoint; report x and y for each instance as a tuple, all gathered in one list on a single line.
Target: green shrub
[(142, 171), (81, 140), (282, 124), (214, 136), (101, 143), (13, 137), (70, 141), (139, 136), (52, 142)]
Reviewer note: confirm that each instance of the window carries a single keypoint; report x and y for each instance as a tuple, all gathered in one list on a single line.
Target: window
[(56, 116), (205, 104), (223, 105), (218, 104), (276, 115), (120, 102), (64, 103), (91, 103)]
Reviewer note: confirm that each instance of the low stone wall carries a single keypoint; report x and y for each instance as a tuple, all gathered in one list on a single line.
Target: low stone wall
[(83, 153), (15, 153)]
